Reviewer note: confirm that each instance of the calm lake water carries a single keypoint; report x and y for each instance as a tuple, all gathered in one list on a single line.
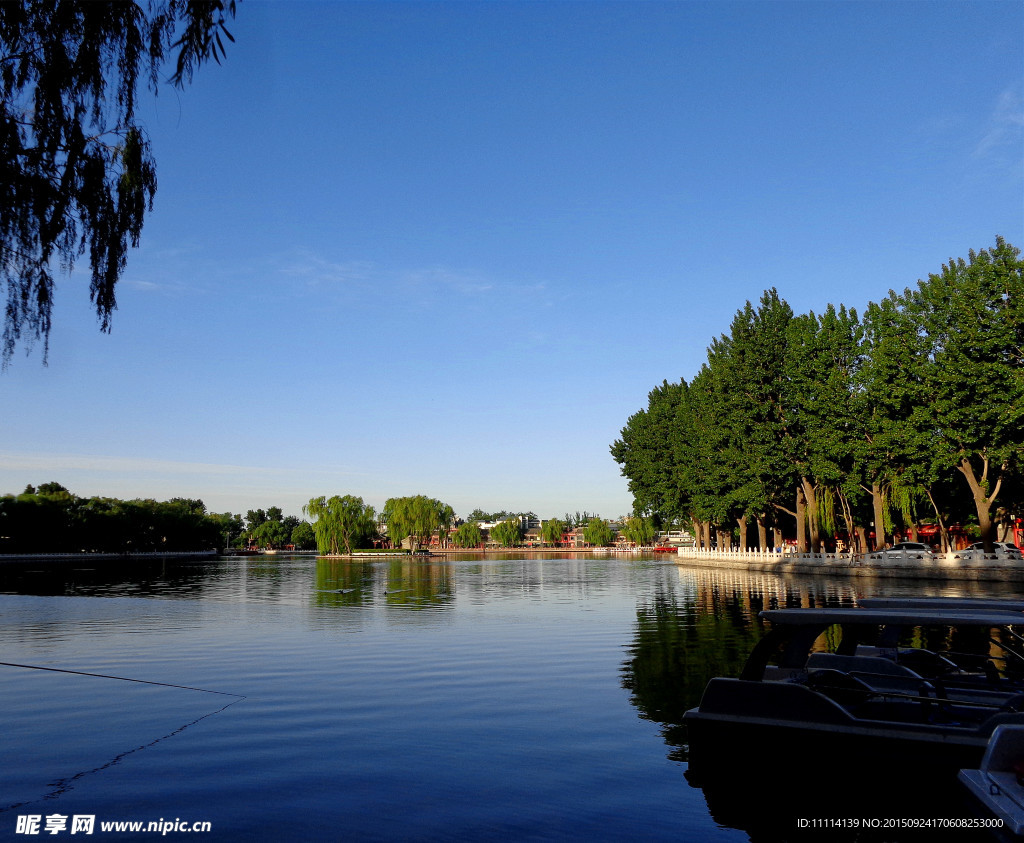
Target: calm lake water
[(469, 699)]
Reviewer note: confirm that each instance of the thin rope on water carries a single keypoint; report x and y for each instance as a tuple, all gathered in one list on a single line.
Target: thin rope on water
[(120, 678)]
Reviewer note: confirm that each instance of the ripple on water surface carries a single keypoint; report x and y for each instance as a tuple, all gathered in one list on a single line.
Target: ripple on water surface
[(512, 699)]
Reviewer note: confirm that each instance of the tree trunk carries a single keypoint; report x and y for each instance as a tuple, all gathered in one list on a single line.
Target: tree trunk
[(944, 542), (844, 502), (982, 503), (762, 532), (811, 513), (878, 504), (801, 521), (742, 521), (862, 539)]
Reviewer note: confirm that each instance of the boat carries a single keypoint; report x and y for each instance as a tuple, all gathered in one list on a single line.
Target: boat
[(998, 783), (875, 700)]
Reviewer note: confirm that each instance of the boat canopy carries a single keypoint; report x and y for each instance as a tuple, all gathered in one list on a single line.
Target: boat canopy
[(897, 614), (941, 603)]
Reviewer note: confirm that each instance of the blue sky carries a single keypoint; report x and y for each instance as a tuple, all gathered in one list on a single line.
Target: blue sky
[(448, 248)]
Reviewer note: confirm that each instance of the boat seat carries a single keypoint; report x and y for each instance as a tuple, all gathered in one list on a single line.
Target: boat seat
[(840, 686), (929, 664), (861, 664), (876, 673), (885, 683)]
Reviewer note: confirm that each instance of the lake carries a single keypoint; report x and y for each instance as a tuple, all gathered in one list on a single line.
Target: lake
[(473, 698)]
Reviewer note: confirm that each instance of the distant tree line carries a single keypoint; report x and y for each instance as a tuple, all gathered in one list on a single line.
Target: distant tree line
[(343, 523), (503, 515), (271, 528), (50, 519), (821, 424)]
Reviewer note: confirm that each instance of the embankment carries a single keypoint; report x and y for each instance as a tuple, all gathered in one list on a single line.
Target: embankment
[(950, 566)]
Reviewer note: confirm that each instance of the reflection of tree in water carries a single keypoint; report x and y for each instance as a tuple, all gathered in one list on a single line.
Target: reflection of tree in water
[(677, 649), (413, 583), (683, 641), (166, 577), (343, 583), (400, 582)]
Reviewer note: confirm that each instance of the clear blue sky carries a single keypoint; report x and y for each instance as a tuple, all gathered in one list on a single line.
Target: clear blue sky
[(447, 249)]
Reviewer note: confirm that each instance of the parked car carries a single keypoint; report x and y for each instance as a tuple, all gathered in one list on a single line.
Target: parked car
[(1001, 549), (902, 550)]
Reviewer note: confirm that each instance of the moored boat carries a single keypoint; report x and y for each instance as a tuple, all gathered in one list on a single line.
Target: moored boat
[(857, 686), (998, 783)]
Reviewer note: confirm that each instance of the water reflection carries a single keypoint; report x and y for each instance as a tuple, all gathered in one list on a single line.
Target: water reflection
[(478, 675)]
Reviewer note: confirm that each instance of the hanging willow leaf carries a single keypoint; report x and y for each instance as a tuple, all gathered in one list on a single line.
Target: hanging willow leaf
[(77, 174)]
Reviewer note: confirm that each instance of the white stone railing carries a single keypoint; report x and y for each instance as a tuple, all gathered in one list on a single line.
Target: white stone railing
[(889, 559)]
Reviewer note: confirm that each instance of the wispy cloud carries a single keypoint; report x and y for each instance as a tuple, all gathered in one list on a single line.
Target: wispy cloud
[(313, 269), (13, 461), (1006, 124), (434, 281), (464, 283), (223, 486)]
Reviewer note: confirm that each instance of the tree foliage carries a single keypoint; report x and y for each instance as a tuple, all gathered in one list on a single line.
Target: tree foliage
[(508, 533), (77, 174), (638, 530), (51, 519), (839, 422), (971, 317), (468, 534), (552, 530), (416, 518), (597, 532), (270, 534), (303, 536), (340, 523)]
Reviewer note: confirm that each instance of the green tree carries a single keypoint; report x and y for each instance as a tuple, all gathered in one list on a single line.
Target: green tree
[(552, 530), (648, 453), (51, 489), (270, 534), (416, 518), (468, 534), (826, 355), (229, 527), (894, 443), (508, 533), (972, 317), (303, 536), (253, 519), (60, 522), (340, 523), (597, 532), (638, 530), (77, 174)]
